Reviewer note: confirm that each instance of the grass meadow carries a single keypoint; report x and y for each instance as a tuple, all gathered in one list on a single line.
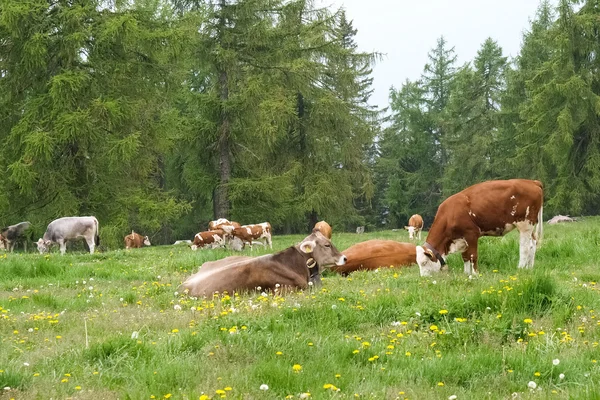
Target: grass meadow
[(115, 325)]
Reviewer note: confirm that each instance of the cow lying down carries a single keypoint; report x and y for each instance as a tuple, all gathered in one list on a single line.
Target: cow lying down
[(293, 267), (374, 254)]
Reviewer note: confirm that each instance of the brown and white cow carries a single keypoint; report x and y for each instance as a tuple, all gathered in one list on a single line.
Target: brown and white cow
[(136, 241), (324, 228), (293, 267), (415, 226), (491, 208), (248, 233), (374, 254), (224, 224), (214, 238)]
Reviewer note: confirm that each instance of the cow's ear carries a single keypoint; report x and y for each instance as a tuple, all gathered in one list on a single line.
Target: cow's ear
[(429, 254), (308, 246), (40, 241)]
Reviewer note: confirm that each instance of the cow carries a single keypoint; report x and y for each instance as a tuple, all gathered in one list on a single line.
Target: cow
[(324, 228), (224, 224), (248, 233), (12, 234), (374, 254), (491, 208), (360, 230), (136, 241), (294, 267), (213, 238), (64, 229), (557, 219), (415, 226)]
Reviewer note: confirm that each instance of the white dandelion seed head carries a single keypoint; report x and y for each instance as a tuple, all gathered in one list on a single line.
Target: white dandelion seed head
[(532, 385), (434, 282), (91, 288), (264, 294), (176, 293), (177, 307), (258, 288), (309, 284), (561, 376), (304, 395), (135, 334), (91, 279), (453, 397), (333, 306), (193, 308), (26, 364), (396, 323), (30, 330), (264, 387), (158, 277), (6, 387), (418, 314), (556, 361), (121, 299), (277, 285)]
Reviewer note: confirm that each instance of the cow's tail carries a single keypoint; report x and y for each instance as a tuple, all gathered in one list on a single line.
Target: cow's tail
[(97, 237), (539, 230)]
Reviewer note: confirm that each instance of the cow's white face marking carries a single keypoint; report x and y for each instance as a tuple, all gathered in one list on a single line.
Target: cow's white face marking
[(146, 240), (459, 245), (411, 232), (42, 246), (341, 261), (194, 247), (426, 265)]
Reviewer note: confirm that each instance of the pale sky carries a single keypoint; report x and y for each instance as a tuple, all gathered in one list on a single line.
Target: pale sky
[(406, 30)]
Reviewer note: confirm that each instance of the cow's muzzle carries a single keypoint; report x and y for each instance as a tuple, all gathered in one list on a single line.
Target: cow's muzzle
[(342, 260)]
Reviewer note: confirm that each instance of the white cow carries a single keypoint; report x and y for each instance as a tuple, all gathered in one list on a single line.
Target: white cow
[(70, 228)]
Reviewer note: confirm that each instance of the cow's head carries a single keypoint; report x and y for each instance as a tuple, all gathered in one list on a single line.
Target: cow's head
[(321, 250), (428, 262), (411, 231), (43, 245), (147, 241)]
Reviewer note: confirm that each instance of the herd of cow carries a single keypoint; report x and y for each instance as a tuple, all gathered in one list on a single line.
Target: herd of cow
[(491, 208)]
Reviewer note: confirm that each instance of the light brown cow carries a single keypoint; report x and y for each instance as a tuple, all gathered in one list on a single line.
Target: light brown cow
[(374, 254), (215, 238), (324, 228), (248, 233), (293, 267), (224, 224), (491, 208), (415, 226), (135, 241)]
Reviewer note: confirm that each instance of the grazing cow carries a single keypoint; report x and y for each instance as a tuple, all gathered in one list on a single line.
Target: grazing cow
[(415, 226), (214, 238), (491, 208), (135, 241), (324, 228), (293, 267), (557, 219), (180, 242), (374, 254), (69, 228), (360, 230), (3, 244), (224, 224), (247, 233), (12, 234)]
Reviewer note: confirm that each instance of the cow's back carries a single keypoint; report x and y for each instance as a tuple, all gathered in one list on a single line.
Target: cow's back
[(374, 254), (69, 227)]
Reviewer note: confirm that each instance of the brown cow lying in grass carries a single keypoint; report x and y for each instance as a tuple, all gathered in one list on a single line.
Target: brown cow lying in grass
[(374, 254), (293, 267)]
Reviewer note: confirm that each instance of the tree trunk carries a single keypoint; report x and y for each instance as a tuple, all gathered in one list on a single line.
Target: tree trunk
[(313, 218), (221, 202)]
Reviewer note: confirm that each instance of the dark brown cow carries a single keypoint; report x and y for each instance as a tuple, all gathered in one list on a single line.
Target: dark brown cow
[(491, 208), (214, 238), (324, 228), (248, 233), (135, 241), (415, 226), (374, 254), (293, 267)]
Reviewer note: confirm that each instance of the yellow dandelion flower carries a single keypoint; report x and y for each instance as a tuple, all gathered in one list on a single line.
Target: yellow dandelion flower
[(64, 380), (220, 391), (297, 367), (228, 388), (440, 384), (204, 397), (537, 373), (528, 321), (168, 396), (433, 328), (407, 354), (175, 330), (356, 351), (338, 375), (77, 387), (279, 353), (366, 344), (443, 312)]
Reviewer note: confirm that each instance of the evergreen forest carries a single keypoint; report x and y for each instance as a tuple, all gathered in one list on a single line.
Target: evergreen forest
[(161, 115)]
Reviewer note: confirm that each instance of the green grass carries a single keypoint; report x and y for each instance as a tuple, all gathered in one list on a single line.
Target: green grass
[(66, 325)]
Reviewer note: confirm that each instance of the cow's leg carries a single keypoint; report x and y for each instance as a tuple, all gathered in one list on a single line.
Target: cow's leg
[(11, 245), (63, 246), (91, 244), (269, 241), (469, 257), (419, 234), (527, 245)]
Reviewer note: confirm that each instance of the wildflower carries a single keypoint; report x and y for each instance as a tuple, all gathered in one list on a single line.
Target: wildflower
[(555, 362), (537, 373), (168, 396), (453, 397), (279, 353), (528, 321), (297, 367), (135, 334), (77, 387), (220, 392), (175, 330), (26, 364), (440, 384), (228, 389), (333, 306), (433, 328), (264, 387), (356, 351), (561, 376), (532, 385), (443, 312), (177, 307), (407, 354), (305, 395), (204, 397), (338, 375)]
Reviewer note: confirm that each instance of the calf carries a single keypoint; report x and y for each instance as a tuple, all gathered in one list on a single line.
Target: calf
[(374, 254), (136, 241), (214, 238), (491, 208), (293, 268), (70, 228), (247, 233), (12, 234), (324, 228), (415, 226)]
